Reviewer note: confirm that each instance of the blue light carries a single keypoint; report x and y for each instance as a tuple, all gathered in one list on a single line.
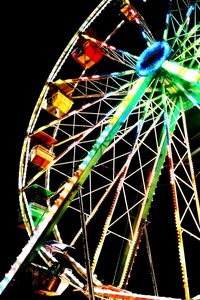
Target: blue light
[(190, 10), (152, 58)]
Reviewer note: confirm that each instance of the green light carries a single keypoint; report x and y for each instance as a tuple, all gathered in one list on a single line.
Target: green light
[(184, 73)]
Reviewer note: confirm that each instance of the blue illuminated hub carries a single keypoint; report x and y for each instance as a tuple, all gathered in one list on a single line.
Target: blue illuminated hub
[(152, 58)]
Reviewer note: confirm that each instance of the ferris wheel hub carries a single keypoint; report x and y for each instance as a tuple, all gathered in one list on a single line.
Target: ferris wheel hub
[(152, 58)]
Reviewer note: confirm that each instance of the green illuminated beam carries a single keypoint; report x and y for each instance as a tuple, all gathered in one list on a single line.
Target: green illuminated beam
[(184, 73), (185, 81)]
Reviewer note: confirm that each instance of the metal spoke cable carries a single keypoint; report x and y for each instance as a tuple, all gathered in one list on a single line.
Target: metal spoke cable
[(155, 287)]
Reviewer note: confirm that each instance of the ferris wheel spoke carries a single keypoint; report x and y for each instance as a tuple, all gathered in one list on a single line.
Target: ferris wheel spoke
[(100, 85), (115, 54)]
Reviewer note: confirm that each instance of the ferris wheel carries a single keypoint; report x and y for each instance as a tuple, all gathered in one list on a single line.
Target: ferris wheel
[(108, 152)]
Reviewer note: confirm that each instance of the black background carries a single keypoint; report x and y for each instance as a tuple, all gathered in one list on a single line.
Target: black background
[(33, 36)]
